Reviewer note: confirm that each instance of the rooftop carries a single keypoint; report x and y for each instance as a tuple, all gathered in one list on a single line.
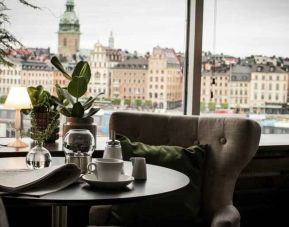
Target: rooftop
[(133, 63)]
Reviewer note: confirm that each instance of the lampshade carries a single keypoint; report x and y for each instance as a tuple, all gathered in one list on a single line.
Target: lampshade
[(18, 98)]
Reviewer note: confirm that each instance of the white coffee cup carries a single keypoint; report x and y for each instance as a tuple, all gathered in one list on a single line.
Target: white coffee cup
[(106, 169)]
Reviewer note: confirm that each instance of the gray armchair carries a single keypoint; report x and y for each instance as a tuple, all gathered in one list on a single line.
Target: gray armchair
[(233, 142), (3, 217)]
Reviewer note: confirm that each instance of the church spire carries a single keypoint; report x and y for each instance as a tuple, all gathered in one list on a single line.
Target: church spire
[(69, 31), (111, 40)]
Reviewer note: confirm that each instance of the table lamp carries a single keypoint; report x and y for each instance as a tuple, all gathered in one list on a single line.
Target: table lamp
[(18, 98)]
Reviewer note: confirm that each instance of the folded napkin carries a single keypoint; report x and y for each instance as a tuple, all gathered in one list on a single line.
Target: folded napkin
[(37, 182)]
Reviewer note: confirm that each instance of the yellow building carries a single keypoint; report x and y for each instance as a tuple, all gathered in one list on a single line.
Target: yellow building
[(34, 73), (218, 84), (129, 79), (165, 79)]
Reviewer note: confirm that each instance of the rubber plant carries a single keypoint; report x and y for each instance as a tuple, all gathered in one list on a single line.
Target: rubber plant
[(77, 108), (75, 104)]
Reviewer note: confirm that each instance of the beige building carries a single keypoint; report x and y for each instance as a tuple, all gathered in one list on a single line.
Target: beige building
[(36, 73), (129, 79), (239, 88), (269, 89), (263, 60), (218, 84), (165, 79), (10, 76), (102, 59)]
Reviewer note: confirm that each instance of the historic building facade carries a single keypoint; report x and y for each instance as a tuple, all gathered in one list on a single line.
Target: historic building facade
[(10, 76), (239, 88), (34, 73), (129, 79), (214, 88), (102, 59), (69, 32), (165, 79), (269, 87)]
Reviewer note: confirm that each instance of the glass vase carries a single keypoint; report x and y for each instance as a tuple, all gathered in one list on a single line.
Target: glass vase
[(38, 157)]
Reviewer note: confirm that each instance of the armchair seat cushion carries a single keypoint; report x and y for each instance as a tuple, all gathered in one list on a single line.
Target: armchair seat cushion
[(182, 206)]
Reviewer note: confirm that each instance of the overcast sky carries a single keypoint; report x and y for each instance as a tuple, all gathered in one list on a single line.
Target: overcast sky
[(244, 27)]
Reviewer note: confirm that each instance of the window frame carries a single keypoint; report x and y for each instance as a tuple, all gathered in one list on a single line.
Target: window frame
[(193, 57)]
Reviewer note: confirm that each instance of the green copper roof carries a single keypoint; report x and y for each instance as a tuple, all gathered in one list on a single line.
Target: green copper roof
[(69, 21)]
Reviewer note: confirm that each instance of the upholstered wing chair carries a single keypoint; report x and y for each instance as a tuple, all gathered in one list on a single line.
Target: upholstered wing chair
[(232, 141), (3, 217)]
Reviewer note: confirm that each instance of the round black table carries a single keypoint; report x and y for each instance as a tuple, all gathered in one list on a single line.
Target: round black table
[(160, 182)]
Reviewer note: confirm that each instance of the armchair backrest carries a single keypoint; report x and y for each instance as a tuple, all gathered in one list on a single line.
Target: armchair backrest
[(232, 141)]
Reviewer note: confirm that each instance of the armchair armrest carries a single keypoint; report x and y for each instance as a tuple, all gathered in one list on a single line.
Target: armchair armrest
[(3, 216), (227, 216)]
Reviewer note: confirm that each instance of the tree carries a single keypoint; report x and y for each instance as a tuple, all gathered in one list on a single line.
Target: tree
[(138, 102), (224, 105), (203, 106), (116, 102), (8, 41), (2, 99), (127, 102), (148, 103), (212, 106)]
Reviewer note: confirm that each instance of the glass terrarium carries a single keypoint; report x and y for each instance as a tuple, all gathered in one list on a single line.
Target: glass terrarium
[(79, 144)]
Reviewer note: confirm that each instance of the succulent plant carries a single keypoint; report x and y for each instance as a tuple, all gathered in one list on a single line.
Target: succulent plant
[(70, 98)]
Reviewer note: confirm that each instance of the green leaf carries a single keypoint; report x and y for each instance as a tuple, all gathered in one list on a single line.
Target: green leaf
[(32, 91), (67, 96), (59, 92), (89, 103), (57, 101), (87, 100), (77, 87), (91, 112), (54, 61), (65, 111), (82, 69), (77, 110)]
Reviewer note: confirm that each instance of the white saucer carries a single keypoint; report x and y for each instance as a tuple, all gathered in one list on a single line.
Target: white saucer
[(123, 181)]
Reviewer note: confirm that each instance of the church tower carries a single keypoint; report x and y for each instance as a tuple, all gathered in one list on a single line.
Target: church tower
[(69, 32), (111, 41)]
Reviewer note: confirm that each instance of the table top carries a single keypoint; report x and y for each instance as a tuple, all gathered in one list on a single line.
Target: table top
[(160, 182)]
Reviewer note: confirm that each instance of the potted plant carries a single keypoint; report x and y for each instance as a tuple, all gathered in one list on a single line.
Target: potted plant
[(77, 108), (44, 115)]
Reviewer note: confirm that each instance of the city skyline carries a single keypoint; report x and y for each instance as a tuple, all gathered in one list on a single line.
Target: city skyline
[(243, 28), (131, 31)]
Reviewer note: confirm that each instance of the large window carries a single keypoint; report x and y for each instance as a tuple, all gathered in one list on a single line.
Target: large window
[(136, 51), (245, 46)]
